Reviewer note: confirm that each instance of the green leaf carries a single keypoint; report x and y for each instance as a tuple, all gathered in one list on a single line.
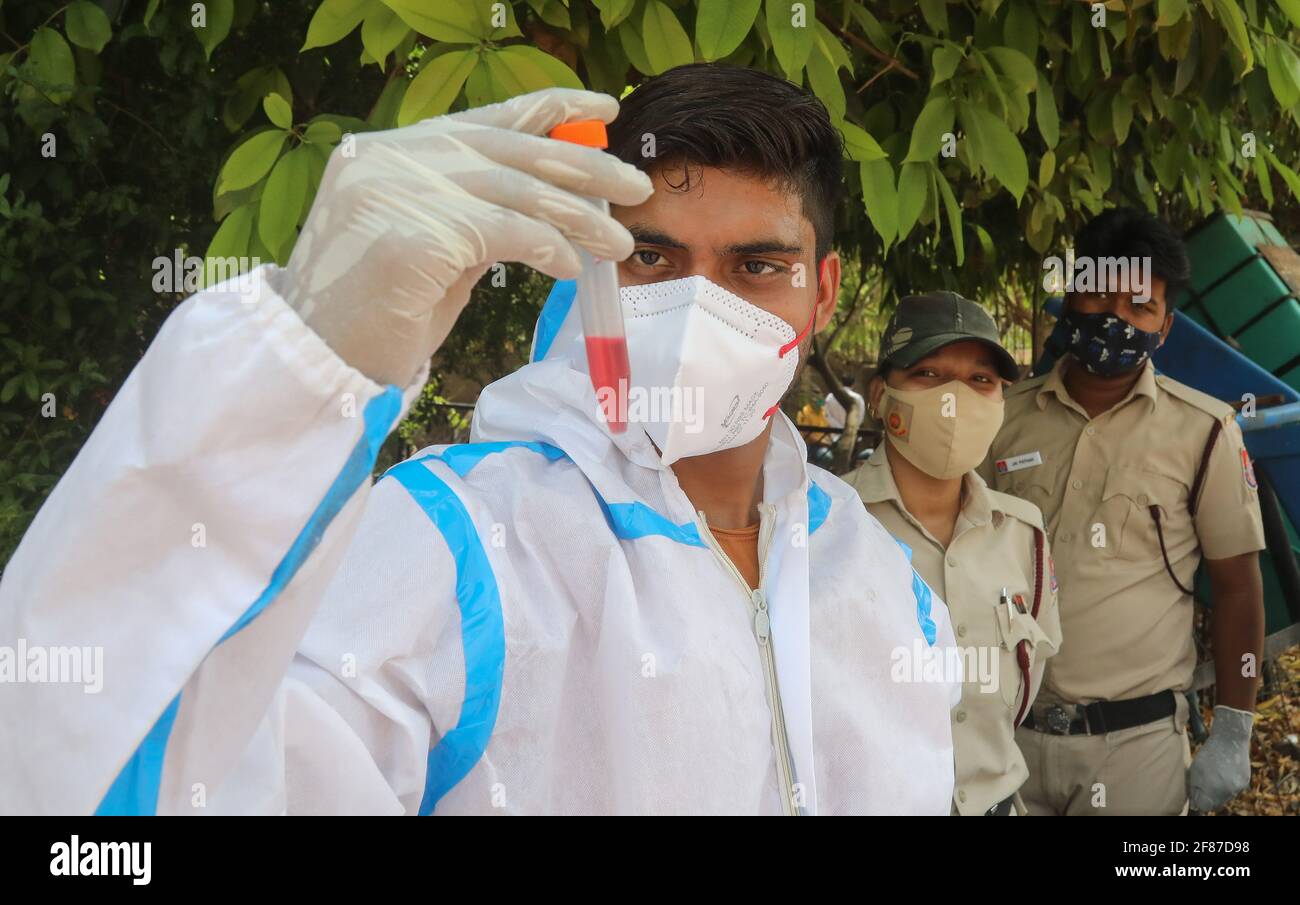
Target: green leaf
[(1229, 15), (251, 160), (286, 191), (666, 42), (790, 25), (935, 13), (231, 241), (1260, 166), (322, 132), (859, 144), (489, 14), (612, 12), (382, 31), (219, 15), (278, 111), (935, 120), (946, 59), (913, 180), (88, 26), (629, 35), (1121, 111), (452, 22), (553, 13), (1292, 10), (720, 25), (536, 69), (995, 148), (1283, 69), (825, 83), (876, 34), (1049, 123), (953, 210), (333, 21), (519, 69), (1021, 28), (831, 45), (881, 199), (1015, 66), (1046, 168), (50, 60), (433, 90), (1288, 175), (150, 11), (1170, 12)]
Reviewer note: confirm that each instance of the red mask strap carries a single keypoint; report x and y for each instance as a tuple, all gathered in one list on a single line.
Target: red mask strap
[(794, 343)]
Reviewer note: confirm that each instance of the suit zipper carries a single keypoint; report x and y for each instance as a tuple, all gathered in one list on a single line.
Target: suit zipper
[(761, 624)]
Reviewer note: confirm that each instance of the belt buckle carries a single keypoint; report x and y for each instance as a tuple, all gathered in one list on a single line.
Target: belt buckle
[(1058, 721)]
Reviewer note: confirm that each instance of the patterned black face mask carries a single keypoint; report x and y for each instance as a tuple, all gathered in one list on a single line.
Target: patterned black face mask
[(1107, 345)]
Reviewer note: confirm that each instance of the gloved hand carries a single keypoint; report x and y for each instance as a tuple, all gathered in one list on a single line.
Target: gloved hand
[(399, 233), (1221, 768)]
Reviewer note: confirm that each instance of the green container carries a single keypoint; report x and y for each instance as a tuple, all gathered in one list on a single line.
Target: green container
[(1291, 378), (1238, 293), (1274, 340), (1221, 243), (1236, 300)]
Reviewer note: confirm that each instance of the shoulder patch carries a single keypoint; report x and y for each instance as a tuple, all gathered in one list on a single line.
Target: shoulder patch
[(1215, 408), (1021, 510), (1248, 471)]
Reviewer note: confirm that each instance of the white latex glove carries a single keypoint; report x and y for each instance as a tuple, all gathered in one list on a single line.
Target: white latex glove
[(399, 233), (1221, 768)]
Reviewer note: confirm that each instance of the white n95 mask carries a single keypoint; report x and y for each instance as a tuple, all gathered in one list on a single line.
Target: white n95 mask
[(708, 367)]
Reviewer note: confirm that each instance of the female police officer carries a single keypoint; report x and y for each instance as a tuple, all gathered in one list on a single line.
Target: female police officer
[(938, 392)]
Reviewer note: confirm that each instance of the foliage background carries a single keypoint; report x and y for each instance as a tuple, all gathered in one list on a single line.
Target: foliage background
[(204, 127)]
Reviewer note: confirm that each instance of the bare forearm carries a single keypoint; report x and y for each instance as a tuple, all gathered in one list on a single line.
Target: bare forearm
[(1238, 635)]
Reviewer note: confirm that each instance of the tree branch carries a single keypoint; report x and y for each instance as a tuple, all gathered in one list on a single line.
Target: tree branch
[(864, 46)]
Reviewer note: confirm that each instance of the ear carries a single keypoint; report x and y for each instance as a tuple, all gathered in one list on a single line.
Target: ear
[(875, 389), (828, 290), (1164, 331)]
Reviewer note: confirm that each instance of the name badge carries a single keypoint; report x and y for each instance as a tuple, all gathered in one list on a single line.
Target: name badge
[(1015, 463)]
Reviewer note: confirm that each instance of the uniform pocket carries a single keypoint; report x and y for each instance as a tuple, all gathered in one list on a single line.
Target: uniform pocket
[(1036, 484), (1125, 512)]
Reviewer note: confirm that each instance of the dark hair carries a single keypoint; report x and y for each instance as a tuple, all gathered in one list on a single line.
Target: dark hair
[(1130, 233), (706, 114)]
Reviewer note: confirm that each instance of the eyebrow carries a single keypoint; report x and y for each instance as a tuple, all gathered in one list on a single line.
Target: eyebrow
[(646, 235), (764, 247)]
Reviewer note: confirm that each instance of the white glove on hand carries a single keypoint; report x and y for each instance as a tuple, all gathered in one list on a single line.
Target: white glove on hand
[(399, 233), (1221, 768)]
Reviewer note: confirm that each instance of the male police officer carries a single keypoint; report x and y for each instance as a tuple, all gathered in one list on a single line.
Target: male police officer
[(938, 392), (1138, 476)]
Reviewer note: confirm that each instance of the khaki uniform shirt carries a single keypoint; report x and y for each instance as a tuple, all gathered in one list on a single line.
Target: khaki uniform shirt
[(1127, 627), (992, 548)]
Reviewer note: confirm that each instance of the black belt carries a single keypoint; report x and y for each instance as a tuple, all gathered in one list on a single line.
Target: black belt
[(1002, 808), (1101, 717)]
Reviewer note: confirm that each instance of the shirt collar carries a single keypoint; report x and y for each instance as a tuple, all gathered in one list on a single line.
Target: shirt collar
[(875, 484), (1055, 385)]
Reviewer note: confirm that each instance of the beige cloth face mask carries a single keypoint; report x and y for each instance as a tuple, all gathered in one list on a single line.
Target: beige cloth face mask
[(944, 431)]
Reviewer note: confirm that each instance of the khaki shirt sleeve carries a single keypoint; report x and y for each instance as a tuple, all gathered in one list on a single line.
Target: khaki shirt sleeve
[(1228, 522)]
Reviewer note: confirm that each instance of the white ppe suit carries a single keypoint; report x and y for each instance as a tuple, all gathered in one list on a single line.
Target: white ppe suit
[(535, 622)]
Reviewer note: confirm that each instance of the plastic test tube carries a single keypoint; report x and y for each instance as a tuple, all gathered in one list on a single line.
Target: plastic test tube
[(598, 302)]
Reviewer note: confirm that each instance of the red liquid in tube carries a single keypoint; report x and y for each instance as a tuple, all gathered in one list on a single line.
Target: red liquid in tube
[(598, 304), (608, 365)]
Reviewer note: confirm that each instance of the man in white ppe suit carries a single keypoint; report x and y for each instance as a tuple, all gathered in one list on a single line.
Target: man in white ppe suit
[(544, 620)]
